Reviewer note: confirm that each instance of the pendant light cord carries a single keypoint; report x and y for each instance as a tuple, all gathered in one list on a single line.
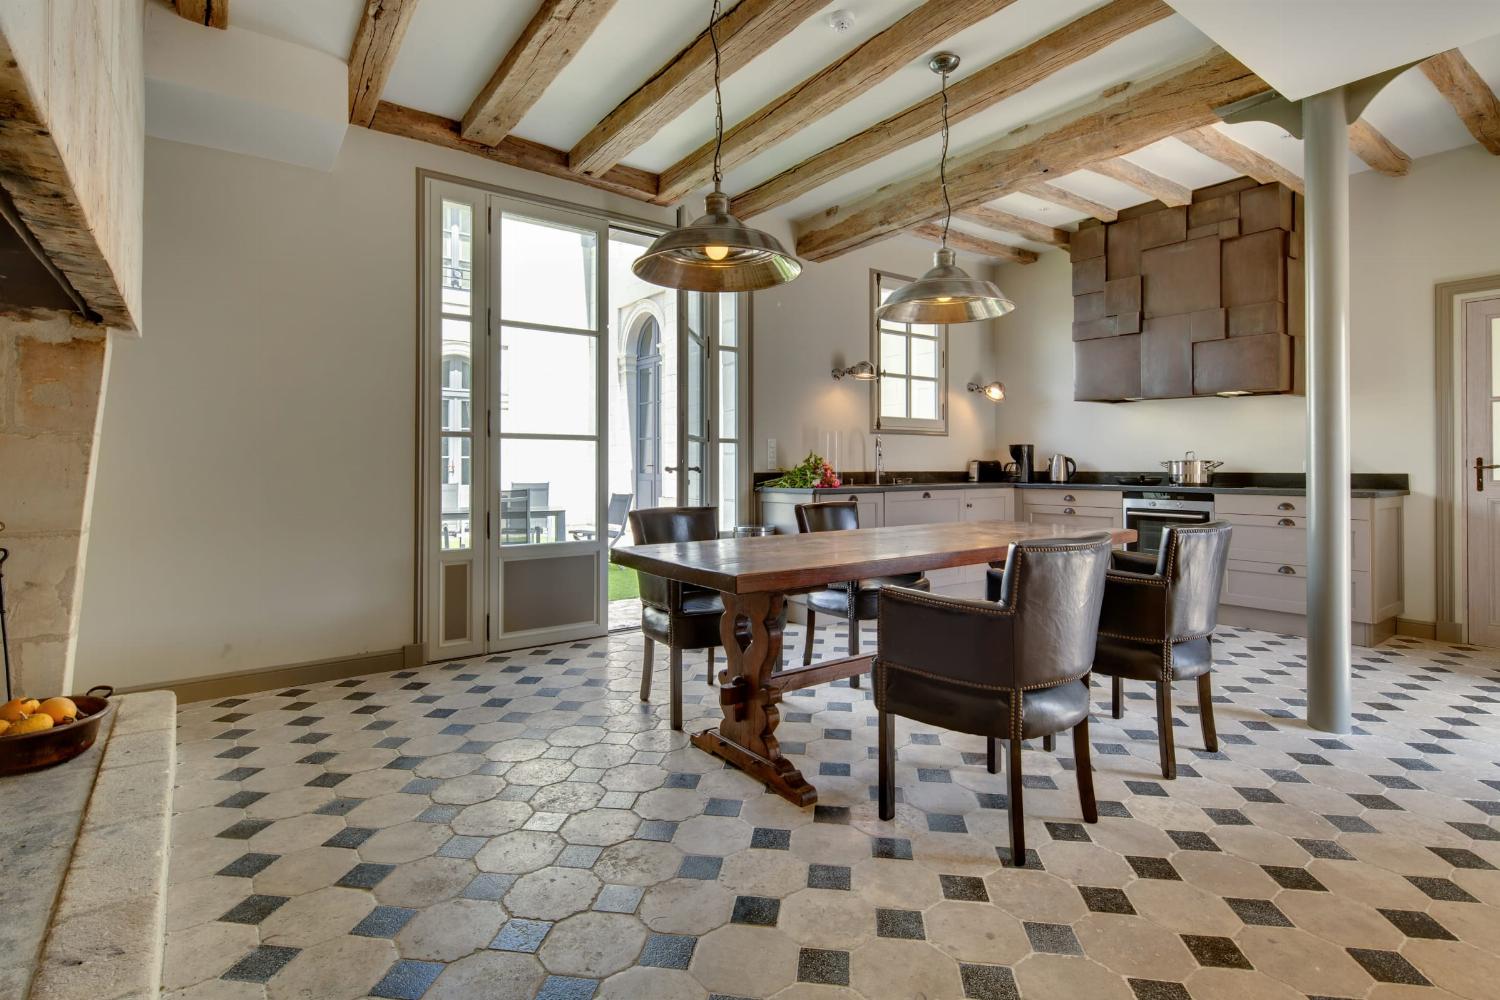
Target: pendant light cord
[(713, 37), (943, 167)]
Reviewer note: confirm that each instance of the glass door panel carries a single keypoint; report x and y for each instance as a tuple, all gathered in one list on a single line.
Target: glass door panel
[(548, 442), (694, 474)]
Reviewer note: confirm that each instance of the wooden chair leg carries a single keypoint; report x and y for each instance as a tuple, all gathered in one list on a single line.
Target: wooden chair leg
[(991, 755), (1017, 812), (1206, 713), (1049, 743), (812, 630), (711, 670), (1117, 697), (886, 738), (1083, 767), (1164, 729), (854, 647), (674, 659), (646, 666)]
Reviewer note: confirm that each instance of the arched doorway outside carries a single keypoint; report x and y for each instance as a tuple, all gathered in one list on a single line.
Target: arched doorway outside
[(645, 423)]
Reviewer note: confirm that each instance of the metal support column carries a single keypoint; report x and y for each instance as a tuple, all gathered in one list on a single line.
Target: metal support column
[(1326, 170)]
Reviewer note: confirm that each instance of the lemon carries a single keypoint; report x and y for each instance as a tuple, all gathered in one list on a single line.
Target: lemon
[(59, 709), (30, 724)]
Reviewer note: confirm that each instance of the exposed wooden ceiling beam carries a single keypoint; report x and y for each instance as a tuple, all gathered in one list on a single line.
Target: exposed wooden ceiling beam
[(552, 38), (828, 89), (212, 13), (376, 42), (1124, 119), (1016, 225), (1067, 199), (1470, 96), (1163, 189), (1238, 157), (957, 238), (410, 123), (1380, 153), (750, 27), (968, 96)]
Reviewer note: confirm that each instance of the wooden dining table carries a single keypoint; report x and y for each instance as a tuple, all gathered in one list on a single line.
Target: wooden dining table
[(755, 577)]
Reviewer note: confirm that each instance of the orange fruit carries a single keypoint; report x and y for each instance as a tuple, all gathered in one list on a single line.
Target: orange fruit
[(60, 709), (14, 710), (31, 724)]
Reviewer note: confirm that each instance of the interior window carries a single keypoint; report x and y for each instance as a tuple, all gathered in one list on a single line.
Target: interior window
[(910, 394)]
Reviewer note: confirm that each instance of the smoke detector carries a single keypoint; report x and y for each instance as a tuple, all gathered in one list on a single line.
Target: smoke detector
[(841, 20)]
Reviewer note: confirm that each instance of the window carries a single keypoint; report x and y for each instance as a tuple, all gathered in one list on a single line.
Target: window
[(911, 393)]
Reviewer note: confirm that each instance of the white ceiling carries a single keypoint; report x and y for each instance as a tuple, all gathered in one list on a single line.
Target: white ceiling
[(452, 47)]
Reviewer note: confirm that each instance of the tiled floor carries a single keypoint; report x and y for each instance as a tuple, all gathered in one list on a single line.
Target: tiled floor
[(519, 826)]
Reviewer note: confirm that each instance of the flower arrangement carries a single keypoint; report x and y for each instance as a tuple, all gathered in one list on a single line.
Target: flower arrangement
[(811, 473)]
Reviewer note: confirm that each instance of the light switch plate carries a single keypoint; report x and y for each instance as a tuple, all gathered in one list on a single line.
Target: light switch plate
[(771, 453)]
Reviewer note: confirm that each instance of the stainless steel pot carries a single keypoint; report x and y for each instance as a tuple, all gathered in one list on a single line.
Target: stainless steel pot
[(1191, 470)]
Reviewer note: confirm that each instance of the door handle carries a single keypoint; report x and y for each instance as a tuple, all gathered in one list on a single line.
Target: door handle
[(1479, 468)]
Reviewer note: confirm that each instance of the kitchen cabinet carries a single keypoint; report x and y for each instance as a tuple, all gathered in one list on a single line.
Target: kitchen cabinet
[(1089, 510), (1265, 584), (989, 505)]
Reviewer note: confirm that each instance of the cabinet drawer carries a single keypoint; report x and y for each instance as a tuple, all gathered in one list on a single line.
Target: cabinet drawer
[(1083, 518), (1266, 539), (925, 507), (1255, 503), (1284, 588), (1061, 496)]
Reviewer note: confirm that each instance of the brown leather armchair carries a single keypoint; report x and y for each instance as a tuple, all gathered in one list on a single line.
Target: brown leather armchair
[(679, 615), (1011, 670), (856, 601), (1157, 624)]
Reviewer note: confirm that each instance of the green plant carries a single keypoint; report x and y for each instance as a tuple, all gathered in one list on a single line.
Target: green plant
[(811, 473)]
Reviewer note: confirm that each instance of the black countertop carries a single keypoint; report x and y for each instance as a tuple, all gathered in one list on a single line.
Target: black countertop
[(1362, 484)]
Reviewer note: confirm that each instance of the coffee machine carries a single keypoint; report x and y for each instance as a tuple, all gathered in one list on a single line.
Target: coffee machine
[(1024, 462)]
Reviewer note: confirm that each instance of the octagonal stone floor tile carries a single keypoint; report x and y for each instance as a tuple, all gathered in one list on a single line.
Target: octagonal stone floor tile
[(488, 974), (552, 893), (316, 917), (593, 945), (658, 984), (425, 882), (686, 906), (447, 931), (737, 960), (340, 968)]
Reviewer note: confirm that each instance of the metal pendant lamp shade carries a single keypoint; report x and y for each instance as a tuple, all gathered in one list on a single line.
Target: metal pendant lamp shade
[(946, 294), (716, 253)]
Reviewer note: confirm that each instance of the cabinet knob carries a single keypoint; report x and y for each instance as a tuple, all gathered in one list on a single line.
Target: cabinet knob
[(1286, 522), (1069, 510), (1286, 506), (1069, 498), (1287, 571), (969, 505)]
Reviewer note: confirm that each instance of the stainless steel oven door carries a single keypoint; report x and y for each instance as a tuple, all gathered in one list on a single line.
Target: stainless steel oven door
[(1149, 523)]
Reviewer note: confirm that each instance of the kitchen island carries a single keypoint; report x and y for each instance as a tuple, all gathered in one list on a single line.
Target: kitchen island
[(1266, 582)]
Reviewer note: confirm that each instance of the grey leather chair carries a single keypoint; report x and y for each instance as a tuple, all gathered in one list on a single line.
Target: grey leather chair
[(1157, 624), (678, 615), (855, 601), (1011, 670)]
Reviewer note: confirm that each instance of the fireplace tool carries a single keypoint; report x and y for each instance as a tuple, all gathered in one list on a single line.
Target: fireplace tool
[(4, 636)]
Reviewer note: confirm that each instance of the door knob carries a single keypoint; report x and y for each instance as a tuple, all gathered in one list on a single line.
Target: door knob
[(1479, 469)]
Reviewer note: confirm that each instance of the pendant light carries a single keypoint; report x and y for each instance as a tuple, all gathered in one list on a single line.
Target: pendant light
[(945, 294), (716, 252)]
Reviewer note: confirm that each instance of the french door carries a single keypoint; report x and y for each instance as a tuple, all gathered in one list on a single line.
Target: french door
[(522, 347)]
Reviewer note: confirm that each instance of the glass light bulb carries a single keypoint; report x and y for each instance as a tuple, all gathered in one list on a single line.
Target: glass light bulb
[(715, 251), (945, 298)]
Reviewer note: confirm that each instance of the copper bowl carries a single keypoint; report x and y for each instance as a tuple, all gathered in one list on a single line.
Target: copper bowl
[(34, 751)]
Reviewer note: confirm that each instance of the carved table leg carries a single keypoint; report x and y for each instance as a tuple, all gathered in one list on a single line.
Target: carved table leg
[(751, 634)]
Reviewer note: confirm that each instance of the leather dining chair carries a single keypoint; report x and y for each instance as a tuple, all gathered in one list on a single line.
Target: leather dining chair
[(1009, 670), (855, 601), (1157, 624), (678, 615)]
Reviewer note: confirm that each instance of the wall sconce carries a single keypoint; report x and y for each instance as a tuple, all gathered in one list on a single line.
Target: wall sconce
[(861, 371), (993, 391)]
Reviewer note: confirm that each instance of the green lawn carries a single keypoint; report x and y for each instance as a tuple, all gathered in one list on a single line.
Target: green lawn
[(622, 584)]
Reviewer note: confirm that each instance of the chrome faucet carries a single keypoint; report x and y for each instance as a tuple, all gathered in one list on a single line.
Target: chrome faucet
[(879, 460)]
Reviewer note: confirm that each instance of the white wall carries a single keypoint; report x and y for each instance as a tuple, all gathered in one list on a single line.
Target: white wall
[(255, 496), (804, 329), (1407, 234)]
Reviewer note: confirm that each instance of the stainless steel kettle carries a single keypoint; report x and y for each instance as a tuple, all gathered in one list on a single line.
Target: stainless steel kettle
[(1060, 468)]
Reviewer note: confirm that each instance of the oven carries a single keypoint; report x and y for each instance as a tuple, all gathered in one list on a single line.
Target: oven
[(1150, 512)]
